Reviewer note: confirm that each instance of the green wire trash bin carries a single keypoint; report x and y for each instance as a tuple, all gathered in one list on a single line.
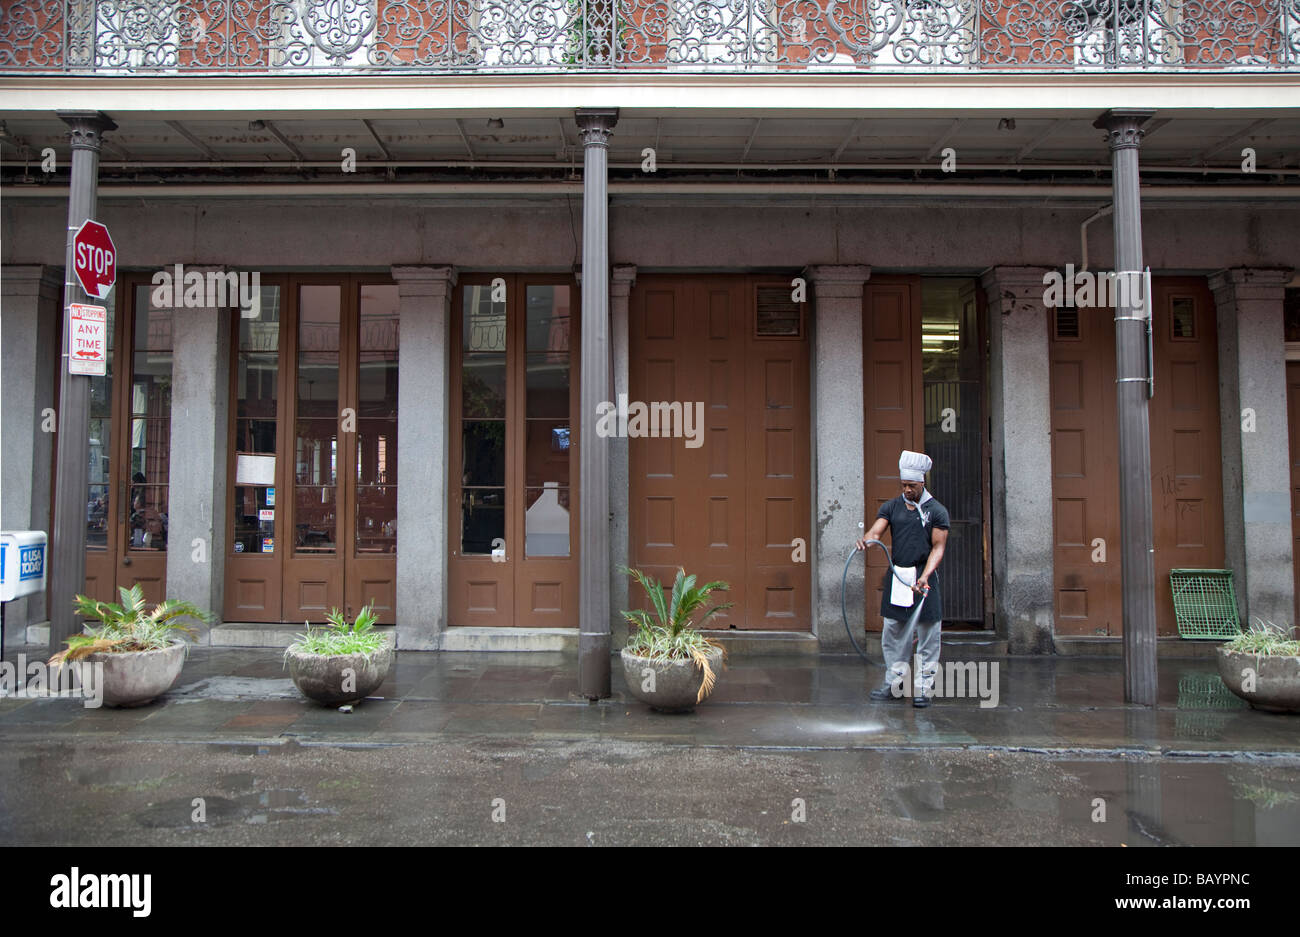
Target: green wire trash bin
[(1205, 605)]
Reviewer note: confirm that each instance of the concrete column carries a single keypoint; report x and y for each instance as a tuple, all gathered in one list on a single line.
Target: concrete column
[(425, 295), (1137, 527), (1256, 462), (595, 125), (67, 543), (838, 443), (29, 305), (1020, 414), (620, 292), (200, 425)]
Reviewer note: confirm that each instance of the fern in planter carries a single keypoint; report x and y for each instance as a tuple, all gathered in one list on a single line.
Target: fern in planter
[(340, 637), (670, 634), (129, 627)]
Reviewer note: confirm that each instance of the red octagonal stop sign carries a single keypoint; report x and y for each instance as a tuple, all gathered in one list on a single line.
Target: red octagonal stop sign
[(94, 259)]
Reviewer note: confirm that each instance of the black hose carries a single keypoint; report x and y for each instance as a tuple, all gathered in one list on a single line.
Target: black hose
[(844, 588)]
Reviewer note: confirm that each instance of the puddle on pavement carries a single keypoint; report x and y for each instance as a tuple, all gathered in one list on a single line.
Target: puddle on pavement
[(235, 689), (255, 807)]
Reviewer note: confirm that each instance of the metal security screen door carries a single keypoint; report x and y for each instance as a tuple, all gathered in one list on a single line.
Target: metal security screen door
[(313, 454)]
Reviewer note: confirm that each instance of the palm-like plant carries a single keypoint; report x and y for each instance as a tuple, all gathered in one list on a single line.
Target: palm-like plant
[(671, 635), (129, 626)]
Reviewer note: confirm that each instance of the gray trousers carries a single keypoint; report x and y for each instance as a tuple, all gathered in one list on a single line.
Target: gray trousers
[(896, 648)]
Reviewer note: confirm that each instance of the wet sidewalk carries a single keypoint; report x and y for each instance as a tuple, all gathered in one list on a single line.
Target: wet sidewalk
[(1055, 704)]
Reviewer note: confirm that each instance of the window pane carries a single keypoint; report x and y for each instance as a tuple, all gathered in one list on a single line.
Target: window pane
[(316, 452), (547, 453), (147, 517), (97, 517), (255, 436), (252, 533), (483, 520), (483, 386), (484, 452), (546, 521), (483, 323), (549, 320), (318, 351), (377, 349), (377, 452), (256, 384), (376, 521), (547, 387), (314, 519), (259, 329)]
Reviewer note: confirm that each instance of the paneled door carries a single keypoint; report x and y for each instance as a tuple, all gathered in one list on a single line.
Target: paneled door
[(313, 465), (731, 502), (1187, 488), (130, 450), (513, 472)]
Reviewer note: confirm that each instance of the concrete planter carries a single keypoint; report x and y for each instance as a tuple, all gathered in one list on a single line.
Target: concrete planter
[(1277, 680), (323, 678), (133, 678), (676, 683)]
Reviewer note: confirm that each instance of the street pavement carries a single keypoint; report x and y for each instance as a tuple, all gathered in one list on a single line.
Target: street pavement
[(481, 748)]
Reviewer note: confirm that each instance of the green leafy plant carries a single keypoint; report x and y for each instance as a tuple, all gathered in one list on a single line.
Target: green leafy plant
[(1265, 639), (129, 626), (341, 637), (670, 634)]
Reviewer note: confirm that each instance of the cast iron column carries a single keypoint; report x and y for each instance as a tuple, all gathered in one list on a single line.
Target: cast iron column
[(596, 125), (1137, 550), (68, 537)]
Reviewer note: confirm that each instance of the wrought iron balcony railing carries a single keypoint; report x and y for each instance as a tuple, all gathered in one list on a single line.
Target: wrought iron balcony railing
[(279, 37)]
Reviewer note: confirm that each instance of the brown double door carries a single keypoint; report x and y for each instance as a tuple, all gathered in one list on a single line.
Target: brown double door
[(512, 511), (130, 450), (732, 503), (312, 516), (1186, 484)]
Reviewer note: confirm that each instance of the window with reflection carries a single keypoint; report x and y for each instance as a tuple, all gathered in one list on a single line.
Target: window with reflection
[(257, 426), (150, 426), (376, 501), (316, 428)]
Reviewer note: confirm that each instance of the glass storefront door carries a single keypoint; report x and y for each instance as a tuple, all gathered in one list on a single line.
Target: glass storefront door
[(130, 450), (512, 512), (314, 451)]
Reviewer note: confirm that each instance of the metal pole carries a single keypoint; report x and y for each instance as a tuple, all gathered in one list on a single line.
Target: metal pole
[(68, 536), (1132, 307), (596, 125)]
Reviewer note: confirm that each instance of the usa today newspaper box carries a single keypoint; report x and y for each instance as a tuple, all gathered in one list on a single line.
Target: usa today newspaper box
[(22, 563)]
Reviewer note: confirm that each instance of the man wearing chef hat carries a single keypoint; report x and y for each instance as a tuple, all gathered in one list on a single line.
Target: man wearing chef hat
[(918, 530)]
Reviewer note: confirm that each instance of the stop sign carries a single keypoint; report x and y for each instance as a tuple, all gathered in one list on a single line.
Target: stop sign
[(94, 259)]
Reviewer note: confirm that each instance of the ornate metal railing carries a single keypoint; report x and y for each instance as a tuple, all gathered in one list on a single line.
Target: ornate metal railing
[(139, 37)]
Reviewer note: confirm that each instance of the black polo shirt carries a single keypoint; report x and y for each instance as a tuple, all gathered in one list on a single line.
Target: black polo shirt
[(910, 538)]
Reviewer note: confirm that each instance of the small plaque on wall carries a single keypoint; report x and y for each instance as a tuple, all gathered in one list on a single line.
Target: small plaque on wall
[(254, 470)]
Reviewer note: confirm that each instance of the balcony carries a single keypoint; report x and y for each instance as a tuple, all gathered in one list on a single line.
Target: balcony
[(414, 37)]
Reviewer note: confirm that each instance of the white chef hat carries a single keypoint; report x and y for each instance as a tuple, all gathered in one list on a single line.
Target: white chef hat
[(912, 466)]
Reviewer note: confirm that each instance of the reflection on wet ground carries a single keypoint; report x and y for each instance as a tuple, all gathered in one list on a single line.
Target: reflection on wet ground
[(1060, 759), (632, 793)]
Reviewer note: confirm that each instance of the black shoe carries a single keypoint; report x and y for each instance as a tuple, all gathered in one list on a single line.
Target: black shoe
[(883, 693), (920, 702)]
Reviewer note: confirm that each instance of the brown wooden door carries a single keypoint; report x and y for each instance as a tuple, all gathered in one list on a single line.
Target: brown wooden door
[(513, 467), (891, 390), (1293, 428), (730, 507), (130, 450), (1187, 507), (1085, 471), (314, 454)]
